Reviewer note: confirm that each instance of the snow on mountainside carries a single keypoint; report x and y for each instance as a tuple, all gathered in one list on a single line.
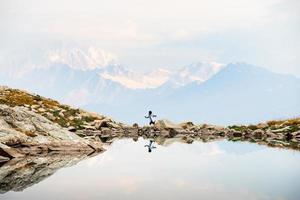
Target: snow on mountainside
[(196, 72), (77, 58), (204, 92), (238, 93), (135, 80), (93, 58), (17, 64), (89, 59)]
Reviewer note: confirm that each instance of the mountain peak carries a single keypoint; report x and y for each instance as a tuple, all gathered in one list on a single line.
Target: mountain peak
[(134, 80), (84, 59), (196, 72)]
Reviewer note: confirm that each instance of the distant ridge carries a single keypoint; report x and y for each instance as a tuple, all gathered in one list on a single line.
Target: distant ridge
[(202, 92)]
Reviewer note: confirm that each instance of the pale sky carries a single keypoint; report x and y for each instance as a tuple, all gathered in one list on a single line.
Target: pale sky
[(159, 33)]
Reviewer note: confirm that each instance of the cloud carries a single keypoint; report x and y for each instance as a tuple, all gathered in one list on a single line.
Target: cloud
[(17, 63), (147, 34)]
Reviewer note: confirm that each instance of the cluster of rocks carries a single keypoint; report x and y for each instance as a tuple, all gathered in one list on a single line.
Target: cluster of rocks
[(284, 134), (63, 115), (29, 127)]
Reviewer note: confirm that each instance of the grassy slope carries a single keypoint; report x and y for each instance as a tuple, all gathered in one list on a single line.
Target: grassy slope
[(64, 115)]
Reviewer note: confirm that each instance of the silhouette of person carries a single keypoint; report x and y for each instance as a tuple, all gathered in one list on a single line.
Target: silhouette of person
[(150, 146), (150, 116)]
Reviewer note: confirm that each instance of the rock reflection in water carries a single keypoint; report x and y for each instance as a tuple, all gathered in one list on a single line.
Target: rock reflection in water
[(21, 173), (219, 170)]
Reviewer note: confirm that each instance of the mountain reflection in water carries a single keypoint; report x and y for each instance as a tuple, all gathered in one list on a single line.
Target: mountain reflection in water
[(214, 170)]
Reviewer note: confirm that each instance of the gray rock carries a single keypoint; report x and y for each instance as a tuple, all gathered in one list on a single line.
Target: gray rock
[(7, 151), (22, 125), (258, 134), (188, 139), (135, 125), (166, 124), (237, 134), (100, 123), (186, 125)]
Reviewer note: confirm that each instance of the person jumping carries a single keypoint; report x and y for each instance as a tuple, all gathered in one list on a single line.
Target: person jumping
[(150, 116)]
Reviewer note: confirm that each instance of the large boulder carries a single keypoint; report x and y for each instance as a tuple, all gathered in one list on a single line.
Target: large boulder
[(100, 123), (186, 125), (21, 126), (166, 124)]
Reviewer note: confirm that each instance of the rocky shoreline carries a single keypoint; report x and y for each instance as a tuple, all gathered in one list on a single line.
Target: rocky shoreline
[(31, 125), (282, 134)]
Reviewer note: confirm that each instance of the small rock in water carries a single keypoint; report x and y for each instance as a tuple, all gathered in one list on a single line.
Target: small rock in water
[(135, 125), (258, 134), (189, 140), (187, 125), (237, 134), (288, 136)]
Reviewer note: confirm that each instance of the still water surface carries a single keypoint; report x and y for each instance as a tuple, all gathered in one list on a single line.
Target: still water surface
[(215, 170)]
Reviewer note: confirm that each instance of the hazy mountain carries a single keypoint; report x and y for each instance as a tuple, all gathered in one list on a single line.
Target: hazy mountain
[(73, 86), (239, 93), (79, 58), (134, 80), (202, 92), (197, 72)]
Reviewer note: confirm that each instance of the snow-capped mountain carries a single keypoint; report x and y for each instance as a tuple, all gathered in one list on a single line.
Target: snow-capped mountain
[(197, 72), (134, 80), (93, 58), (88, 59), (239, 93), (17, 64), (77, 58), (203, 92)]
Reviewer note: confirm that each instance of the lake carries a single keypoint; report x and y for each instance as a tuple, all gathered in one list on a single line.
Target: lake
[(213, 170)]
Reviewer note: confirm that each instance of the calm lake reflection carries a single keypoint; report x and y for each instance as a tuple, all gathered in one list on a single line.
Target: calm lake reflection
[(215, 170)]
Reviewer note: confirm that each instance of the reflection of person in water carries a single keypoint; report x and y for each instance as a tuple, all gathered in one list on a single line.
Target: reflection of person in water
[(150, 146), (150, 116)]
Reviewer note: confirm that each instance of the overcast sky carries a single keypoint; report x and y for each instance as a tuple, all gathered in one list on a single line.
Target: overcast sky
[(157, 33)]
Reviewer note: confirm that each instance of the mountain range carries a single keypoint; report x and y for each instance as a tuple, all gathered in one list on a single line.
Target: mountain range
[(204, 92)]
